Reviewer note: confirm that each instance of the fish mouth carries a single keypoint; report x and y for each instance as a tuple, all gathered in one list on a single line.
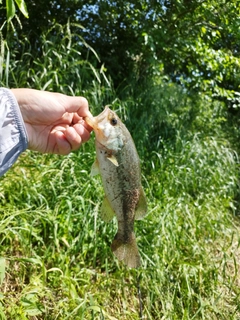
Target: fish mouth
[(93, 121)]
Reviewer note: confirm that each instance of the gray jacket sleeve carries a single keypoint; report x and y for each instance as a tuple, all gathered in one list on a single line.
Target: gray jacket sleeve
[(13, 134)]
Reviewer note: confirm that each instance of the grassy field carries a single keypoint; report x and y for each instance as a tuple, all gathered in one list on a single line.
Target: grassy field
[(56, 250), (56, 261)]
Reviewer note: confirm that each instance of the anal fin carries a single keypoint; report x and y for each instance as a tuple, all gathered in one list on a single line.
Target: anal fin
[(141, 208), (107, 212)]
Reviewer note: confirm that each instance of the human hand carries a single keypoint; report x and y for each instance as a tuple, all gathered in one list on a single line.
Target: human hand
[(54, 122)]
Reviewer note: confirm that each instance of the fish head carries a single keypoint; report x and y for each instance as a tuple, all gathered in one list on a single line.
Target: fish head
[(109, 129)]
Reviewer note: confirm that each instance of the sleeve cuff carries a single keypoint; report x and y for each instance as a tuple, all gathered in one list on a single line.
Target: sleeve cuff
[(13, 134)]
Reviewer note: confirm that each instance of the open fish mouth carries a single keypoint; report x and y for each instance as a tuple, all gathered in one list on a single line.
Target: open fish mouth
[(93, 121)]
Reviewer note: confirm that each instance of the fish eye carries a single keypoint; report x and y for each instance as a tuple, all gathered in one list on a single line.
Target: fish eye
[(113, 121)]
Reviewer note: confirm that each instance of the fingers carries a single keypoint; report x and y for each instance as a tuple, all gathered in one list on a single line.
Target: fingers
[(78, 105), (79, 120), (62, 145), (71, 139), (83, 130)]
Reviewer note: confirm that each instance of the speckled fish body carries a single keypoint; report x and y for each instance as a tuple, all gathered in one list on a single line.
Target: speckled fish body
[(119, 166)]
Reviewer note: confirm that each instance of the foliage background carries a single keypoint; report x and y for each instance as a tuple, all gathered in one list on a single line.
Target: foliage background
[(171, 71)]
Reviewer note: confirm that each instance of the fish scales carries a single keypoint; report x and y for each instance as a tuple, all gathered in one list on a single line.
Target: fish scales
[(119, 166)]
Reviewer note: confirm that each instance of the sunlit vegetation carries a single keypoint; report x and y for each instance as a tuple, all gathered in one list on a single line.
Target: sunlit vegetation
[(56, 261)]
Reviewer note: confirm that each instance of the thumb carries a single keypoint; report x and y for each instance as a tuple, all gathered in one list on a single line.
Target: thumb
[(78, 105)]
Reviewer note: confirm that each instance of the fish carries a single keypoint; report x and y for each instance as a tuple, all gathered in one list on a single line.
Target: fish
[(118, 163)]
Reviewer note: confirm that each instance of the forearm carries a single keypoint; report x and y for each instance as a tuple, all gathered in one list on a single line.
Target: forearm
[(13, 135)]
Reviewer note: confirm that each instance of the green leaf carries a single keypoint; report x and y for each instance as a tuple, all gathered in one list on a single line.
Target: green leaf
[(10, 9), (204, 30), (22, 7), (2, 269), (29, 303), (33, 312), (95, 308)]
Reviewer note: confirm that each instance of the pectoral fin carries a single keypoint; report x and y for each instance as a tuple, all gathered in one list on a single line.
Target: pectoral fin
[(141, 208), (95, 168), (107, 212), (113, 159)]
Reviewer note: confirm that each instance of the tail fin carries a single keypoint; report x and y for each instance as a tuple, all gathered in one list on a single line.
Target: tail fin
[(126, 252)]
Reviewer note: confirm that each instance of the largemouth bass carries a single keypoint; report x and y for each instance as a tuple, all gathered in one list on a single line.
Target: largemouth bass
[(119, 166)]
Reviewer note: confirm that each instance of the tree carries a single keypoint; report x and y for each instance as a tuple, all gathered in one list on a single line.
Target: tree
[(194, 43)]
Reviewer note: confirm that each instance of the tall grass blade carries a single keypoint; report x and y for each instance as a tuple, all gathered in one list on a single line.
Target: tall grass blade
[(2, 269)]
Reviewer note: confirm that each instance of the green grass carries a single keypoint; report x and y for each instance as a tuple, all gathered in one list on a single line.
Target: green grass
[(56, 259), (57, 250)]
